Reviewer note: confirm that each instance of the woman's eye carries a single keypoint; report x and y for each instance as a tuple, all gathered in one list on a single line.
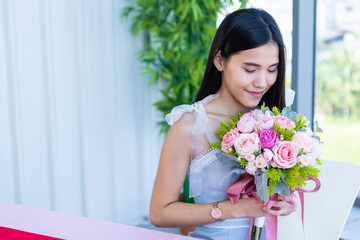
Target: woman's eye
[(272, 71), (249, 71)]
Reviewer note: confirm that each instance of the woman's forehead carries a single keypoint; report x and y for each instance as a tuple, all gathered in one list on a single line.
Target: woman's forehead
[(262, 55)]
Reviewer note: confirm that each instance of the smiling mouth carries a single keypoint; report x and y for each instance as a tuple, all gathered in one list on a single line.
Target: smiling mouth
[(256, 94)]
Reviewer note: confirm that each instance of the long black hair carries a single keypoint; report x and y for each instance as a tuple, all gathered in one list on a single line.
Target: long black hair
[(242, 30)]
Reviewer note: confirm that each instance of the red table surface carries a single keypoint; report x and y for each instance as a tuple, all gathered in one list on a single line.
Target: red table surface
[(13, 234)]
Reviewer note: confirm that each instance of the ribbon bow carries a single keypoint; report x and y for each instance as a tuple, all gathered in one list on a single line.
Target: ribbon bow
[(244, 187)]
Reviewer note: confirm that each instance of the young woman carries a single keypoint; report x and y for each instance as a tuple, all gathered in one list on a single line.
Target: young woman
[(245, 68)]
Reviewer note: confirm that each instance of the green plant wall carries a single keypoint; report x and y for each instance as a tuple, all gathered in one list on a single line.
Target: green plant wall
[(178, 38)]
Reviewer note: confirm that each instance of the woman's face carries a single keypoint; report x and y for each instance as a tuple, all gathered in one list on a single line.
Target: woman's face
[(248, 75)]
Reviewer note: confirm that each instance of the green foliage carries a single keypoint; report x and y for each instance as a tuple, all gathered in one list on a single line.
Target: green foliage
[(338, 132), (273, 175), (300, 121), (236, 118), (215, 145), (179, 36), (338, 82), (275, 111), (225, 127), (285, 134), (264, 107), (297, 175), (243, 162)]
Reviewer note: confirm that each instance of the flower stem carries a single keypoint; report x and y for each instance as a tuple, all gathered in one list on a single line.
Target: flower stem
[(256, 233)]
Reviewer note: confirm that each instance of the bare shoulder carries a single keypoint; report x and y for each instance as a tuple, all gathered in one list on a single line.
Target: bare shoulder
[(177, 145), (184, 124)]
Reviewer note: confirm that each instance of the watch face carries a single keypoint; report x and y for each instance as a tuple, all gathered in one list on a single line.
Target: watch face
[(216, 213)]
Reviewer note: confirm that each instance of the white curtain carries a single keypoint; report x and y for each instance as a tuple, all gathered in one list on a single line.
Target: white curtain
[(78, 130)]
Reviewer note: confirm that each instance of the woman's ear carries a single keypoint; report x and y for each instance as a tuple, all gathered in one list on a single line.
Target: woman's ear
[(219, 62)]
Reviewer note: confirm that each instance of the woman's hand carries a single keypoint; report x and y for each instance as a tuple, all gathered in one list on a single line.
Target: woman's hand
[(249, 207), (281, 206)]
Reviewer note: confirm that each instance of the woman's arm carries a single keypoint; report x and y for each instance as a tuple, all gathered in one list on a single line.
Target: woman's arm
[(165, 209)]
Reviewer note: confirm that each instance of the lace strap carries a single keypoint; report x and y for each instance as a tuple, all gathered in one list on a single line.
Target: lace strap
[(200, 129), (178, 111)]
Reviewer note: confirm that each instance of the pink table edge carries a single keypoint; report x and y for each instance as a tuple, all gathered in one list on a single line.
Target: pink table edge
[(72, 227)]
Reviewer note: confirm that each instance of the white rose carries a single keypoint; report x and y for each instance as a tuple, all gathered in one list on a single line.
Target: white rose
[(303, 160), (250, 157), (251, 168), (260, 161)]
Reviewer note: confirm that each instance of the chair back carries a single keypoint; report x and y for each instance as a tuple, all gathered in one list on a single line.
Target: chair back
[(327, 210)]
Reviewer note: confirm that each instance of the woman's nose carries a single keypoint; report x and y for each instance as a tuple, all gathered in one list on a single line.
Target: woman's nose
[(260, 81)]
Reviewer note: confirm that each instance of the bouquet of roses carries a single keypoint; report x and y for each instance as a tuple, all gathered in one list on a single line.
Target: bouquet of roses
[(274, 152)]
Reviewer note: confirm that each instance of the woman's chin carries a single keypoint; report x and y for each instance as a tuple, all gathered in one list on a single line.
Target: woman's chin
[(252, 105)]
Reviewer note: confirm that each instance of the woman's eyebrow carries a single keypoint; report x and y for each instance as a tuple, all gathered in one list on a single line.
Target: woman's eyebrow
[(251, 64), (257, 65), (275, 64)]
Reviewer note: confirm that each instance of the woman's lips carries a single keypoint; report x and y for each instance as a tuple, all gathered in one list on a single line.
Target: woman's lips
[(256, 94)]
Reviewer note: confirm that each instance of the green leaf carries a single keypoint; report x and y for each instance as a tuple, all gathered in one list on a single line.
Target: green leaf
[(243, 4), (285, 134), (243, 162), (126, 12), (273, 175), (215, 145), (300, 121), (275, 111), (283, 174)]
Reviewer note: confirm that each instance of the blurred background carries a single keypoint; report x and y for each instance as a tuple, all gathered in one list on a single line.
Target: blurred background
[(79, 131)]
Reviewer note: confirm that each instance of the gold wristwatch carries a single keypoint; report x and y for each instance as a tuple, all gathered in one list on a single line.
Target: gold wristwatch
[(216, 212)]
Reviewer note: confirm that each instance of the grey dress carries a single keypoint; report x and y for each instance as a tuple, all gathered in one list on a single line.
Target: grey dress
[(206, 175)]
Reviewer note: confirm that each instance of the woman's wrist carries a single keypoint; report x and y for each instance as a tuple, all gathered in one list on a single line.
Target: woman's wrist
[(228, 210)]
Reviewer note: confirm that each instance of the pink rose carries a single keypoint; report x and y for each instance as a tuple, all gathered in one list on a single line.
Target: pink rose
[(227, 142), (303, 141), (268, 122), (260, 161), (273, 164), (246, 123), (268, 138), (258, 115), (235, 132), (284, 122), (247, 144), (263, 121), (268, 154), (315, 147), (285, 154), (250, 157)]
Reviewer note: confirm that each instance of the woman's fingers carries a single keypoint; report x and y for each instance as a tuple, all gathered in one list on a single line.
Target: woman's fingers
[(281, 207)]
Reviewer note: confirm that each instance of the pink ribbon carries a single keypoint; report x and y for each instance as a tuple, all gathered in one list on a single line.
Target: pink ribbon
[(244, 187)]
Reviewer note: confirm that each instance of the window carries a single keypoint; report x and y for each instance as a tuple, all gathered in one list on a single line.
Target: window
[(337, 106)]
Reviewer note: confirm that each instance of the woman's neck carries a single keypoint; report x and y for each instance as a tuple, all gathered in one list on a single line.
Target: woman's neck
[(228, 105)]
